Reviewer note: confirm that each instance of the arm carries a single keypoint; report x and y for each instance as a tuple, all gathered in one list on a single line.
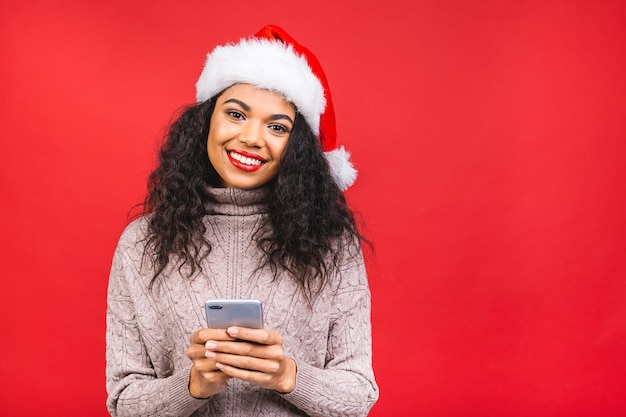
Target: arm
[(345, 385), (341, 385), (134, 386)]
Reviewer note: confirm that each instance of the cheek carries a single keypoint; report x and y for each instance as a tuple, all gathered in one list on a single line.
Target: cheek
[(213, 150), (278, 149)]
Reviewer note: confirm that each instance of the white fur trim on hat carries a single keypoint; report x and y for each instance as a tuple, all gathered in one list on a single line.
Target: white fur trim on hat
[(341, 168), (265, 64)]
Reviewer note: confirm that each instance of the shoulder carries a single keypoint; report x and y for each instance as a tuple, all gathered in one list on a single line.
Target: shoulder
[(128, 259), (349, 265), (348, 249), (134, 235)]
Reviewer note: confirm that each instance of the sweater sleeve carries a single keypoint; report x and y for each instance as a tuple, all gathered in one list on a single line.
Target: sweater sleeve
[(345, 386), (133, 386)]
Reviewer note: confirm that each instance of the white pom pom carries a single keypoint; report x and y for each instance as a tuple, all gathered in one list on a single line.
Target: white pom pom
[(341, 168)]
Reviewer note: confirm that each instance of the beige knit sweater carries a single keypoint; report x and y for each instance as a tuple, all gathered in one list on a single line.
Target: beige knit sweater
[(148, 332)]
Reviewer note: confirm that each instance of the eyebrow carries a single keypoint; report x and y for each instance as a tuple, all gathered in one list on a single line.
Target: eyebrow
[(247, 108)]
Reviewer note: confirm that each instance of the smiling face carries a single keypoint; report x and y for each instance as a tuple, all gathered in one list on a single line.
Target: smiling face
[(249, 130)]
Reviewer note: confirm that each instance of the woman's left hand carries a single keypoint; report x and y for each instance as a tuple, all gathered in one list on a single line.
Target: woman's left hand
[(257, 356)]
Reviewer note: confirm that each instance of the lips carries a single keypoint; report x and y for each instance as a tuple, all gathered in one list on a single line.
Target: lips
[(245, 161)]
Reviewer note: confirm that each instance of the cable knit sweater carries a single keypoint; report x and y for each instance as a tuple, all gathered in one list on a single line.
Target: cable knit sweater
[(148, 331)]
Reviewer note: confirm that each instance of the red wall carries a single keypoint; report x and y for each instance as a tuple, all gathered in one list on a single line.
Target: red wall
[(490, 138)]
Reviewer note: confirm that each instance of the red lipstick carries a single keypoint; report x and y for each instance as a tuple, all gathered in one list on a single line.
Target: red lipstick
[(245, 161)]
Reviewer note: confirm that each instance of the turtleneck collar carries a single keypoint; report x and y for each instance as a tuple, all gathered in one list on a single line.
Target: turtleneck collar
[(237, 202)]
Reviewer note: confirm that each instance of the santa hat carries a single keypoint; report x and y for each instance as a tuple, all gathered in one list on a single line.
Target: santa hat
[(273, 60)]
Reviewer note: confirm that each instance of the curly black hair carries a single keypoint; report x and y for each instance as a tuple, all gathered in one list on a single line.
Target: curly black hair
[(308, 219)]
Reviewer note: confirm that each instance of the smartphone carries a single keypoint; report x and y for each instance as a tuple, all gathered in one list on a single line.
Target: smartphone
[(221, 314)]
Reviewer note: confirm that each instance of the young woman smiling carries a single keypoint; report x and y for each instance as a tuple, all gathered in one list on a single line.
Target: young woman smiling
[(246, 202), (249, 132)]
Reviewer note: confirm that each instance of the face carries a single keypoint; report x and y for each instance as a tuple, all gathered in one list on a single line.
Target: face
[(249, 131)]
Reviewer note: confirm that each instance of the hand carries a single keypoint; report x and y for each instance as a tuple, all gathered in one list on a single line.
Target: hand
[(257, 356), (205, 379)]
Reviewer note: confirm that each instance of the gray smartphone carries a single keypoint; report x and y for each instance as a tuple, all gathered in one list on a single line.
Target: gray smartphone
[(221, 314)]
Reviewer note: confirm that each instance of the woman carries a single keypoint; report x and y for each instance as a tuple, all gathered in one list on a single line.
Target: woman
[(246, 202)]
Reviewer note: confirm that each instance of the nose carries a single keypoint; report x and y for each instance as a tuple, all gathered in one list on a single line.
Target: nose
[(252, 134)]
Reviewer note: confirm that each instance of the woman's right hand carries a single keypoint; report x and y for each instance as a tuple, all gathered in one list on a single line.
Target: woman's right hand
[(205, 379)]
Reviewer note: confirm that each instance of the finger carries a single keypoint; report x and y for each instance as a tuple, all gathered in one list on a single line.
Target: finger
[(244, 349), (266, 366), (261, 336), (202, 335), (201, 358), (264, 380), (214, 376), (259, 378), (206, 365), (196, 351)]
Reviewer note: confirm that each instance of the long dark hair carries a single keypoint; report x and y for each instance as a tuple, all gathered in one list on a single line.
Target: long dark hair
[(308, 226)]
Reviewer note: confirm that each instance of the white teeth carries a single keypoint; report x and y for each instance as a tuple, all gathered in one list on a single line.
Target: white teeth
[(244, 159)]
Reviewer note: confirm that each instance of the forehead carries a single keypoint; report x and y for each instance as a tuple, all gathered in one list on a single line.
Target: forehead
[(253, 95)]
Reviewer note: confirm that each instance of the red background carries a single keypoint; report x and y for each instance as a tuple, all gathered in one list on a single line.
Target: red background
[(490, 139)]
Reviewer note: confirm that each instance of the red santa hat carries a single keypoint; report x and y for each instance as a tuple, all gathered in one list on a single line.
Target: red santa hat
[(273, 60)]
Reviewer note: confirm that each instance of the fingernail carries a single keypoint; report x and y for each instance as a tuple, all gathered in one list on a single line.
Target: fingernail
[(219, 365), (209, 354), (233, 331), (210, 344)]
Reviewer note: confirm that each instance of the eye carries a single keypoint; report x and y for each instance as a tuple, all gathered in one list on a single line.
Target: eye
[(278, 128), (235, 114)]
